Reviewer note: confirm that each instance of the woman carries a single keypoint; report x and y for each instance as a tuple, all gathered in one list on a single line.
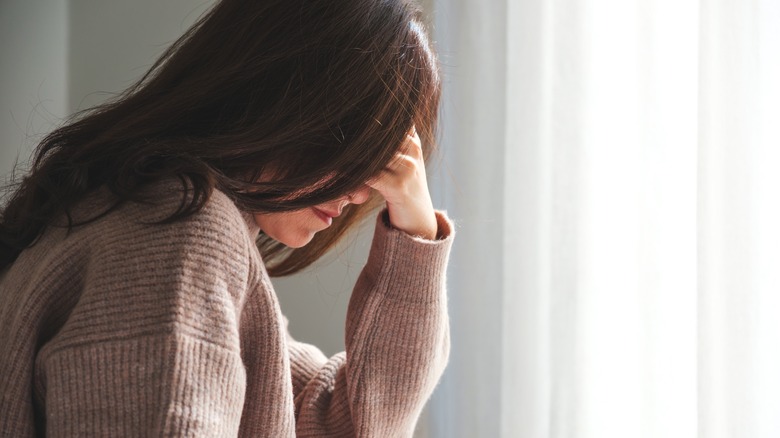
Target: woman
[(135, 298)]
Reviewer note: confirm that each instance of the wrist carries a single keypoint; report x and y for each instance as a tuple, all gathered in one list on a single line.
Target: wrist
[(423, 225)]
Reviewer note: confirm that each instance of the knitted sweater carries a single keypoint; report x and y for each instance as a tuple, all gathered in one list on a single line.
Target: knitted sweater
[(123, 328)]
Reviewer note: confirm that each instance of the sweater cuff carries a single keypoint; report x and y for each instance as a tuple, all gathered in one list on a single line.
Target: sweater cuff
[(410, 268)]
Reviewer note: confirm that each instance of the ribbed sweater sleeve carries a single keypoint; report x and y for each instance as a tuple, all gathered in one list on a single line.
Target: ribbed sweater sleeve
[(397, 343), (152, 347)]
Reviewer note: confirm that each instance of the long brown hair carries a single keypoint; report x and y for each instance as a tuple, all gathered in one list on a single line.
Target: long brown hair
[(322, 91)]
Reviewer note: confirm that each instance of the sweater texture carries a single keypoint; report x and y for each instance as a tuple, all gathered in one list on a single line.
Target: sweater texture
[(126, 328)]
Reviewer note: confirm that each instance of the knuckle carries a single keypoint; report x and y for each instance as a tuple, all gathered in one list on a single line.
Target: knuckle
[(409, 162)]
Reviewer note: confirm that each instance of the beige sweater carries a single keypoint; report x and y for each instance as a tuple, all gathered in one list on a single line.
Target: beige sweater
[(127, 329)]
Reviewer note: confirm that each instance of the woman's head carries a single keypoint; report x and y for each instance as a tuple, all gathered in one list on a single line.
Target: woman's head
[(297, 228), (320, 93)]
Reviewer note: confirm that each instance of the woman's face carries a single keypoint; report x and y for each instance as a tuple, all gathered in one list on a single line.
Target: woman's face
[(296, 228)]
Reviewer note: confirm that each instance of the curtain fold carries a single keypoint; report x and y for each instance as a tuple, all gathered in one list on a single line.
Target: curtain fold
[(613, 167)]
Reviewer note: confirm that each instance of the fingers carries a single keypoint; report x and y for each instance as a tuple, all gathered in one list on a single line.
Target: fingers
[(412, 144), (404, 186), (397, 178), (407, 164), (379, 182), (409, 154)]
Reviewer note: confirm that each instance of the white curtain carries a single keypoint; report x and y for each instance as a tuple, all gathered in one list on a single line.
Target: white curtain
[(614, 170)]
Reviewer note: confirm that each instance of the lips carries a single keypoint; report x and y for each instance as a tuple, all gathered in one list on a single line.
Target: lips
[(328, 213), (326, 216)]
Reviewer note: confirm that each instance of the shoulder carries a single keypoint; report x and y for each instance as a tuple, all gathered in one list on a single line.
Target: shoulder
[(192, 274), (214, 244), (219, 213), (218, 224)]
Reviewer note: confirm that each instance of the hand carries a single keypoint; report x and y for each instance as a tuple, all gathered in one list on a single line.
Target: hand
[(404, 186)]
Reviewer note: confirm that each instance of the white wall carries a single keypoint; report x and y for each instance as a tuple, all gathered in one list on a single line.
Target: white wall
[(113, 42), (33, 75)]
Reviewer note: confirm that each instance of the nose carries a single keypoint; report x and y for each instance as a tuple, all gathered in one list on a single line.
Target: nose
[(359, 196)]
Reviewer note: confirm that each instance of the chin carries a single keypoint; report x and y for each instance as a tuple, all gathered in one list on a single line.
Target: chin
[(295, 241), (297, 244), (288, 229)]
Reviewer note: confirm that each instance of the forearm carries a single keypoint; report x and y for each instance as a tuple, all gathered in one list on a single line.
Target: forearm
[(397, 339)]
